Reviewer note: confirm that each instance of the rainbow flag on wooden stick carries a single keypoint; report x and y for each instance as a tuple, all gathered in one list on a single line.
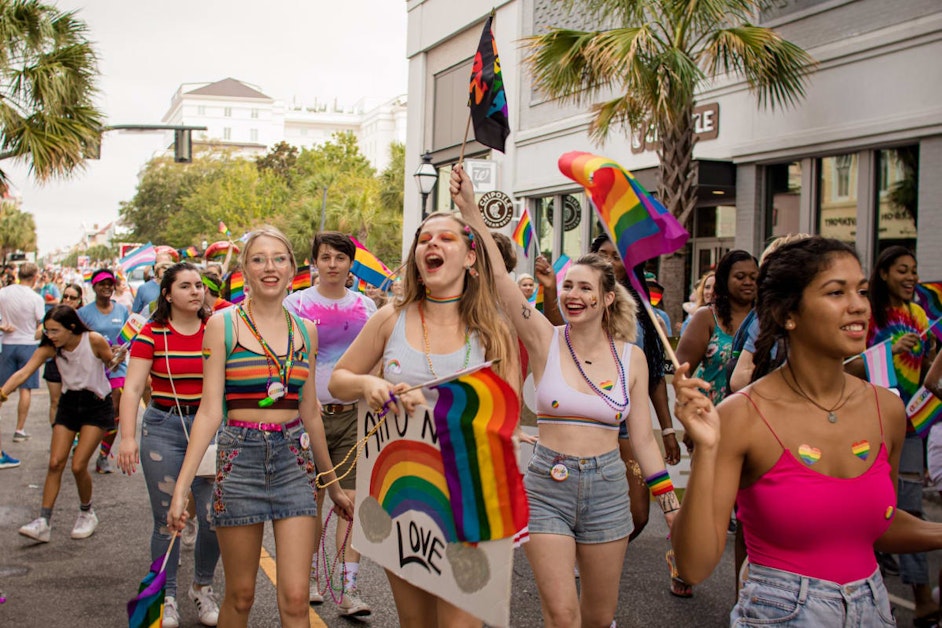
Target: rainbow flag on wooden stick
[(475, 417), (369, 268), (637, 223), (923, 410), (147, 609)]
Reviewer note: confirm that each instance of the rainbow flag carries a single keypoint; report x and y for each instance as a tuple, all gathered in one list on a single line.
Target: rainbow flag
[(475, 417), (655, 292), (486, 96), (523, 234), (132, 327), (923, 410), (878, 360), (87, 275), (144, 255), (638, 224), (223, 229), (302, 279), (236, 287), (369, 268), (147, 609), (537, 298), (929, 296), (189, 252)]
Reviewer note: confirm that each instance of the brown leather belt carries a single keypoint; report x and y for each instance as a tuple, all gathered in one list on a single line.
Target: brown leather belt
[(339, 408)]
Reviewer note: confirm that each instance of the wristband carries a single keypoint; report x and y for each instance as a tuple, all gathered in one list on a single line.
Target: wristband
[(668, 431), (660, 483)]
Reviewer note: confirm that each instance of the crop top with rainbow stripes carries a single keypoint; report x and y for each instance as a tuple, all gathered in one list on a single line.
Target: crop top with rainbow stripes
[(248, 376), (559, 403)]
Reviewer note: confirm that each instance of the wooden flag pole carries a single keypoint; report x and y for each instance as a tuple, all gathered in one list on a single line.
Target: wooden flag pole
[(464, 142), (660, 331)]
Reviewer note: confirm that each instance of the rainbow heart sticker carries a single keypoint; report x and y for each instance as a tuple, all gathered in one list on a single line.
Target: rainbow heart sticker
[(607, 384), (809, 454), (861, 449)]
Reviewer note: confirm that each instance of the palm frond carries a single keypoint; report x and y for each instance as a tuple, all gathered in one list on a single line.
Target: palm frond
[(561, 63), (625, 112)]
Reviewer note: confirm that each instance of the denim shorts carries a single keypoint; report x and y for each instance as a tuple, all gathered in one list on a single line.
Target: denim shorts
[(15, 357), (262, 476), (772, 597), (590, 504)]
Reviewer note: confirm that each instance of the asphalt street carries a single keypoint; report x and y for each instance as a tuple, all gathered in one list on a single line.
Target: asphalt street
[(88, 582)]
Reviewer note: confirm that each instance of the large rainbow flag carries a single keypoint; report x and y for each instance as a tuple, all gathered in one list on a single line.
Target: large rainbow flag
[(475, 417), (369, 268), (929, 296), (147, 609), (523, 233), (638, 224)]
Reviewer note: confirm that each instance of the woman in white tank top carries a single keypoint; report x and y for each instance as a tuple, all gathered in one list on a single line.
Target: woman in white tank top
[(446, 320), (575, 481), (85, 408)]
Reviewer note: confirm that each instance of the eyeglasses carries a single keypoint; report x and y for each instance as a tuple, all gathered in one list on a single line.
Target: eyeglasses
[(52, 332), (70, 297), (278, 261)]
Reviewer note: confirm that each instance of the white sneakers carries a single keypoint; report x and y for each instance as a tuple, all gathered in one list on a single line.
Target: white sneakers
[(314, 590), (85, 525), (352, 606), (171, 614), (37, 529), (206, 606)]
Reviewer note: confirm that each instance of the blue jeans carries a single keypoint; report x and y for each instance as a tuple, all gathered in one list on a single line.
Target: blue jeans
[(913, 568), (772, 597), (163, 446)]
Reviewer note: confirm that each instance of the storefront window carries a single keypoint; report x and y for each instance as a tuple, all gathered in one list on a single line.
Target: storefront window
[(543, 228), (837, 197), (897, 214), (573, 210), (783, 182)]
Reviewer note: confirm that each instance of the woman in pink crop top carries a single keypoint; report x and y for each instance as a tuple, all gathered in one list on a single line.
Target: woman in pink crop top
[(808, 452), (266, 454), (589, 379)]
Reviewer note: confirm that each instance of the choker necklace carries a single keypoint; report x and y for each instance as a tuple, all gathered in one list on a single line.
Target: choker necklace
[(431, 299), (428, 345), (832, 417), (614, 404)]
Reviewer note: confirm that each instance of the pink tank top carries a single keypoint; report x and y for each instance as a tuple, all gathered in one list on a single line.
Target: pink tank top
[(798, 520)]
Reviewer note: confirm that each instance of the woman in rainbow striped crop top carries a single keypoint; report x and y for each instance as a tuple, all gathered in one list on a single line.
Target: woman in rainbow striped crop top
[(589, 379), (809, 453), (258, 384)]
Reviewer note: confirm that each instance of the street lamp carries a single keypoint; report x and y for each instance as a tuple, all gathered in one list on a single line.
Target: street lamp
[(426, 177)]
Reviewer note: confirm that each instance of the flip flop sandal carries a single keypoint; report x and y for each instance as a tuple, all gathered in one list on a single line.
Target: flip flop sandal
[(679, 588)]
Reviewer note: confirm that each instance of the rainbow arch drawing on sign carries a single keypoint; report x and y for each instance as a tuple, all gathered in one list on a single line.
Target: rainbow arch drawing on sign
[(409, 475)]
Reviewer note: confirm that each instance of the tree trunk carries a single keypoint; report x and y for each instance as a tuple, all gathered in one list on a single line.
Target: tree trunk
[(677, 189)]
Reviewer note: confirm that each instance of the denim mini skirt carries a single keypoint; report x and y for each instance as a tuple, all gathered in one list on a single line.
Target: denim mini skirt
[(262, 476)]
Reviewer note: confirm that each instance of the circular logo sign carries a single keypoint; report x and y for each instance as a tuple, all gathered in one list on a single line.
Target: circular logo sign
[(497, 209), (572, 212)]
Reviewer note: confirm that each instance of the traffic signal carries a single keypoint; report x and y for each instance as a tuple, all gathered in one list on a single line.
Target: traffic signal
[(182, 146)]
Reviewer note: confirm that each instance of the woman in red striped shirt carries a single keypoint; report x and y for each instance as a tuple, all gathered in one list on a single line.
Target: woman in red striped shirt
[(169, 350)]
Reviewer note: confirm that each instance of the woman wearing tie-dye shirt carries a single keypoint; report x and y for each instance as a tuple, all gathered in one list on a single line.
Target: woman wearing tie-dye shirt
[(896, 319)]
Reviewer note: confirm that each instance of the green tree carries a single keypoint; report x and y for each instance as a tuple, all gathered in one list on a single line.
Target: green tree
[(47, 88), (280, 159), (17, 230), (393, 178), (101, 253), (655, 57)]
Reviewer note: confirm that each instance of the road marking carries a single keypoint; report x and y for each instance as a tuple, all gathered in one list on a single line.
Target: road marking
[(268, 566), (901, 602)]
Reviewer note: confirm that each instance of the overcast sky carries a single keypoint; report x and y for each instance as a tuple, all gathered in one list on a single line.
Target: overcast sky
[(309, 49)]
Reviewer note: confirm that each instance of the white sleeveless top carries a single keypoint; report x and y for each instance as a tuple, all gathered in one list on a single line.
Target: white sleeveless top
[(82, 370)]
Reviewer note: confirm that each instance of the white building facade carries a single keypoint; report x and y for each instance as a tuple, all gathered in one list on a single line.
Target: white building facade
[(240, 116), (870, 124)]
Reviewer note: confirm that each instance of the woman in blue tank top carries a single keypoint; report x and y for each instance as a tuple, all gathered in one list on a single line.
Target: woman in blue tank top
[(589, 379), (444, 322)]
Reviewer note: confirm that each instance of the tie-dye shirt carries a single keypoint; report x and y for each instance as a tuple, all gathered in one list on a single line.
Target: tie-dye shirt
[(338, 322), (909, 318)]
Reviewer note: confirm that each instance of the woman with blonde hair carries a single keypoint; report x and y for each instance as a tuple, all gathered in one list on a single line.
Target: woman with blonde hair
[(702, 295), (259, 393), (444, 322), (589, 378)]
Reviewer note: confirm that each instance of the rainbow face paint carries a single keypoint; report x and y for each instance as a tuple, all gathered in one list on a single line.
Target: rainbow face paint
[(808, 454)]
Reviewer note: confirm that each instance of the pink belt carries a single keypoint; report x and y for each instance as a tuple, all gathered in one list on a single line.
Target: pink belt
[(265, 427)]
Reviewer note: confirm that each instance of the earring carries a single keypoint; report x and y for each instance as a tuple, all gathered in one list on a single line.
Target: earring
[(789, 325), (471, 270)]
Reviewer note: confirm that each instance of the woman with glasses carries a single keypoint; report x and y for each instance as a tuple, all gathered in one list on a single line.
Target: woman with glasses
[(259, 393), (71, 296), (86, 409)]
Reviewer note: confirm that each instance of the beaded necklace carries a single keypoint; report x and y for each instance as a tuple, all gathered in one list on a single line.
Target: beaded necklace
[(428, 345), (276, 389), (614, 404)]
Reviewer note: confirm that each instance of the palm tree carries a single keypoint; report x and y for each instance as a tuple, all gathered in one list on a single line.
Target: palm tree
[(17, 230), (47, 86), (655, 57)]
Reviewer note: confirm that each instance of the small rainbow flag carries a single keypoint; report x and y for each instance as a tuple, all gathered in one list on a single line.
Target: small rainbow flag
[(87, 275), (475, 417), (302, 279), (144, 255), (223, 229), (147, 609), (923, 410), (523, 234), (236, 287), (189, 252), (929, 296), (369, 268), (638, 224), (537, 298), (132, 327)]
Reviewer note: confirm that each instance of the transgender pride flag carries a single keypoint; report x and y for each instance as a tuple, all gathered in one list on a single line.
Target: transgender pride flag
[(144, 255), (878, 360)]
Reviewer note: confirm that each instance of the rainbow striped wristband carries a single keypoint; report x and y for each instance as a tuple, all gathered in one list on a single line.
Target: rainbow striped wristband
[(660, 483)]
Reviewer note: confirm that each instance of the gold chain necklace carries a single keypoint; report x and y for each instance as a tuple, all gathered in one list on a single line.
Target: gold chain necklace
[(832, 417), (428, 344)]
